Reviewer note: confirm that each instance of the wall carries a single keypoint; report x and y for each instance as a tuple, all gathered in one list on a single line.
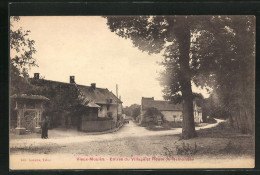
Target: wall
[(120, 108), (168, 115), (102, 112), (197, 114), (197, 117), (112, 108), (97, 126)]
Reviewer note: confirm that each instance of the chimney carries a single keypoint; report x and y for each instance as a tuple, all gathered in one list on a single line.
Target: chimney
[(36, 76), (72, 79), (93, 85)]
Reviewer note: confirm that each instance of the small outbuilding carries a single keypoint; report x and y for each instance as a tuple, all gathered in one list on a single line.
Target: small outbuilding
[(29, 110)]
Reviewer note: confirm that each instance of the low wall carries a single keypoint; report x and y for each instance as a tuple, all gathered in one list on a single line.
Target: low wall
[(97, 126)]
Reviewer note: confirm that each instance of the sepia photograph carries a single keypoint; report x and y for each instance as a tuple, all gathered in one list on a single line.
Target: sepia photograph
[(132, 92)]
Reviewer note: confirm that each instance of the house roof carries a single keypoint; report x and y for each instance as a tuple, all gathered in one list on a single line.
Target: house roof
[(160, 105), (92, 96), (92, 105), (98, 95), (28, 96)]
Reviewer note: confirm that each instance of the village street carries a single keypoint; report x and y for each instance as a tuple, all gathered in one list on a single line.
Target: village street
[(131, 141), (63, 137)]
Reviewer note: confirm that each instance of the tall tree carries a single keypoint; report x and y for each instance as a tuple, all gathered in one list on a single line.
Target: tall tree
[(221, 57), (235, 73), (195, 47), (156, 33)]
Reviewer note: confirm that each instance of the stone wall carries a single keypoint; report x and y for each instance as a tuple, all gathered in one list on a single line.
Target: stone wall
[(97, 126)]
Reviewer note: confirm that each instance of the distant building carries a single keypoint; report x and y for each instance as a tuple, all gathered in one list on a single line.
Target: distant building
[(171, 112)]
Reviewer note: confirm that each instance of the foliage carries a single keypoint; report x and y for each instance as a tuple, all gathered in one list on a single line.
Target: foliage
[(132, 110), (21, 57), (136, 112), (166, 125), (213, 108), (170, 124), (128, 110), (183, 149), (210, 51), (186, 149), (171, 34), (21, 49), (151, 117), (63, 96), (152, 113), (103, 118)]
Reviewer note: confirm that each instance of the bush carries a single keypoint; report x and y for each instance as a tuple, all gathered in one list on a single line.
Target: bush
[(186, 149), (153, 115), (177, 124), (103, 119), (136, 112)]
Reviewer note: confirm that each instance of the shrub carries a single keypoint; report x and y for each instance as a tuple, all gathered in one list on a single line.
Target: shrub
[(186, 149), (152, 114), (103, 119), (136, 112), (169, 124)]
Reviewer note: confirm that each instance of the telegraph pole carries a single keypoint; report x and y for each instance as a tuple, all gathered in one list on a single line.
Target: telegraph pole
[(117, 101)]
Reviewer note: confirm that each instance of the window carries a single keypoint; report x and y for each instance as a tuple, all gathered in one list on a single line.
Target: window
[(174, 116), (181, 117)]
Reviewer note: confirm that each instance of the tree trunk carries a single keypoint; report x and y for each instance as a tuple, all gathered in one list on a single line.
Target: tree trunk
[(182, 33)]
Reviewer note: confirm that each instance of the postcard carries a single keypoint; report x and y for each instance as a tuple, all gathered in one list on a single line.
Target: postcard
[(132, 92)]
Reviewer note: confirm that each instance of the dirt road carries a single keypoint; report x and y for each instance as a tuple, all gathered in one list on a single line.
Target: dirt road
[(72, 149), (67, 137)]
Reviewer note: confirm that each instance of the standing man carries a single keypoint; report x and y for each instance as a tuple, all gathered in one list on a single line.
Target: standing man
[(47, 127), (44, 125)]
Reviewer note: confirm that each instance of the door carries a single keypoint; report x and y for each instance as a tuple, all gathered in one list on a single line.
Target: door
[(29, 119)]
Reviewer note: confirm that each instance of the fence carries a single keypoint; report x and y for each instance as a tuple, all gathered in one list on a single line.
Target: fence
[(97, 126)]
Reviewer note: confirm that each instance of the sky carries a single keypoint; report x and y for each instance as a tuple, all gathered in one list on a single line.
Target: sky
[(83, 46)]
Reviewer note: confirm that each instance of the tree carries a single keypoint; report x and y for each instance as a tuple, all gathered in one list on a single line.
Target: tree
[(136, 112), (21, 56), (222, 57), (132, 110), (234, 77), (173, 34), (213, 108), (195, 48), (153, 113)]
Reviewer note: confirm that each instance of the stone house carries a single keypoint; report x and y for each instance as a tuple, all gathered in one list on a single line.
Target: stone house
[(74, 105), (171, 112), (108, 104)]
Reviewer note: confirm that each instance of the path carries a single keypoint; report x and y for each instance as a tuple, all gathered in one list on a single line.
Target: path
[(129, 130)]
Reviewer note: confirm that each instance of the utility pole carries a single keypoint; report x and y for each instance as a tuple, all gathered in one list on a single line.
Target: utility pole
[(117, 101)]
